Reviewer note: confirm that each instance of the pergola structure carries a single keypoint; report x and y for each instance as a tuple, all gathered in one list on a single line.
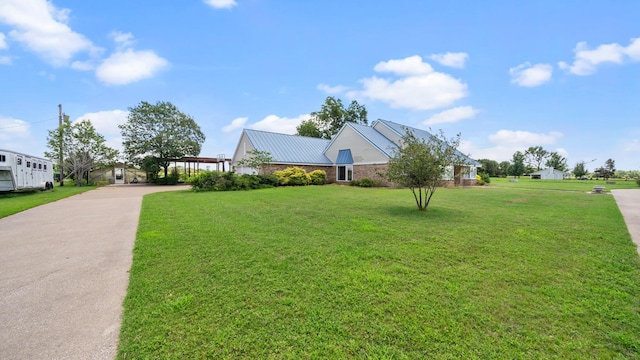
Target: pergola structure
[(220, 161)]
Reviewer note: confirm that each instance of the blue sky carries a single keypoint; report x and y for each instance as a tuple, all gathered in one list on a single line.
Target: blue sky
[(507, 75)]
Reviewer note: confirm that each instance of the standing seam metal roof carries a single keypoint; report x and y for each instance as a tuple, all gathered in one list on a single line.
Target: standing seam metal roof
[(290, 149), (374, 137), (344, 157), (421, 134)]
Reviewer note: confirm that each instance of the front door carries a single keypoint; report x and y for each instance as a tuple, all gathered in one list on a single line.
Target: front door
[(20, 173), (119, 175)]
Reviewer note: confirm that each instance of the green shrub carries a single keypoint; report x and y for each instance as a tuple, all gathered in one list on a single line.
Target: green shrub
[(268, 180), (354, 183), (318, 177), (479, 180), (486, 178), (366, 182), (168, 180), (293, 176), (638, 181), (229, 181)]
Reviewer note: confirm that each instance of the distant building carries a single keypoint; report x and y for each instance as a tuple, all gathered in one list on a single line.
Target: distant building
[(548, 174)]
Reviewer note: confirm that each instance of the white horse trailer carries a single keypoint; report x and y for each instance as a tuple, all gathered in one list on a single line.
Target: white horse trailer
[(24, 172)]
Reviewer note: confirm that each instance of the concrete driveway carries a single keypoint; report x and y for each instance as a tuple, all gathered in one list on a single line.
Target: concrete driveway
[(64, 269), (628, 201)]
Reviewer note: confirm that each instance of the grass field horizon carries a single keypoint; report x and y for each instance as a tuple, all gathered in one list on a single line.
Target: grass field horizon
[(344, 272)]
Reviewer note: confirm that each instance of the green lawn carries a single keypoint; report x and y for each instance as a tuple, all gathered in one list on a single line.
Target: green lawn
[(345, 272), (11, 203), (568, 185)]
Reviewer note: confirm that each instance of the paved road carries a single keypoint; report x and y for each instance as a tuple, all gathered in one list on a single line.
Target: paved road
[(64, 273), (629, 204)]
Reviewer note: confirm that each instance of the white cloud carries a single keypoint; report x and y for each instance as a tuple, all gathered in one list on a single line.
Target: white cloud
[(632, 146), (524, 138), (418, 86), (43, 29), (237, 123), (279, 124), (122, 40), (452, 115), (531, 75), (221, 4), (15, 134), (633, 50), (505, 143), (130, 66), (5, 60), (587, 60), (332, 89), (3, 42), (413, 65), (455, 60), (106, 122)]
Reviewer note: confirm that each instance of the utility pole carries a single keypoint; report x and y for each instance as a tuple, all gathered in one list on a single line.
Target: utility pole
[(60, 157)]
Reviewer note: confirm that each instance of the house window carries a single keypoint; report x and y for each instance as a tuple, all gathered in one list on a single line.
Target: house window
[(345, 173), (45, 166), (19, 161), (3, 158), (28, 164), (39, 166)]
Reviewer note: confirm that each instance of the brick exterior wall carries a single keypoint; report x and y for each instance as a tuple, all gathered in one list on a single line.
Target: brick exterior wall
[(359, 172)]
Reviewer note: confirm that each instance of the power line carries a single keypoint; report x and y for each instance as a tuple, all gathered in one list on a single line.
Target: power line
[(25, 123)]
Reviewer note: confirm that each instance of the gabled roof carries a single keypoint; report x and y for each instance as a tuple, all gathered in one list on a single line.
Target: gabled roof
[(374, 137), (290, 149), (420, 134)]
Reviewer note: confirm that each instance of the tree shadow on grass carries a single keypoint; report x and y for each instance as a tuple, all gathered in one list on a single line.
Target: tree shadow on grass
[(432, 213)]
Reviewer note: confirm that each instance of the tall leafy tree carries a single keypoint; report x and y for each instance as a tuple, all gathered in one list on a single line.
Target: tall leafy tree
[(608, 170), (420, 164), (579, 170), (489, 167), (535, 156), (517, 167), (556, 161), (503, 168), (331, 117), (308, 128), (161, 131), (84, 148)]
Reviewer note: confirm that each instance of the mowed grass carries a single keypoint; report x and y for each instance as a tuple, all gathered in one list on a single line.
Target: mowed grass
[(344, 272), (12, 203), (564, 185)]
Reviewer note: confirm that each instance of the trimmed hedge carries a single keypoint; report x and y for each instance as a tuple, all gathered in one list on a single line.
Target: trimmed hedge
[(229, 181)]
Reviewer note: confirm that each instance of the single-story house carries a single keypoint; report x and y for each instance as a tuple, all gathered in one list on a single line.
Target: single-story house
[(355, 152), (119, 173), (548, 174)]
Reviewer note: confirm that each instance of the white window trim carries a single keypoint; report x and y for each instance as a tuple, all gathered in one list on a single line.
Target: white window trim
[(348, 172)]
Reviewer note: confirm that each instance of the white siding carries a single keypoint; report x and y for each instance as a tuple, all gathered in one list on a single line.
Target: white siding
[(244, 146), (388, 133), (363, 151)]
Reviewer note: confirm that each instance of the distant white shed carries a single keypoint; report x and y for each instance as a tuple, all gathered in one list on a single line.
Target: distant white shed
[(548, 174)]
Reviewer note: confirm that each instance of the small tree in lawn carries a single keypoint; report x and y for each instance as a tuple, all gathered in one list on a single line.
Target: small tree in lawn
[(421, 164), (84, 148), (257, 160), (579, 170)]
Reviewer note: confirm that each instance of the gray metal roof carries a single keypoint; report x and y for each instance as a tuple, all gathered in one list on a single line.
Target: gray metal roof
[(290, 149), (421, 134), (374, 137)]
